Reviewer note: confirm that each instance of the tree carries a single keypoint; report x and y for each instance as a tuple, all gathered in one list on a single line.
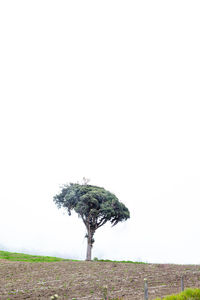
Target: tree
[(94, 205)]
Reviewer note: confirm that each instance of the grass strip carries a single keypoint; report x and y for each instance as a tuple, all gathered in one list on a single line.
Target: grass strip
[(189, 294), (12, 256)]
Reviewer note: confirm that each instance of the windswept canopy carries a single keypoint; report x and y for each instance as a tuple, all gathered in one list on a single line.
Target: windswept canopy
[(93, 203)]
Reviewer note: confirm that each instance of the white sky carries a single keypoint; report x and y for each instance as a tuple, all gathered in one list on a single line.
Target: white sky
[(108, 90)]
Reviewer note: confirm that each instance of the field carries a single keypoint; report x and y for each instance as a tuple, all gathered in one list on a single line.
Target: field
[(40, 278)]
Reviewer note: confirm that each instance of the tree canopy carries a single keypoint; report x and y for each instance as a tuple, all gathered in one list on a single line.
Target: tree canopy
[(94, 205)]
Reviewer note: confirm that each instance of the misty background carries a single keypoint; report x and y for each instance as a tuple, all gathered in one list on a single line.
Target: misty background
[(108, 90)]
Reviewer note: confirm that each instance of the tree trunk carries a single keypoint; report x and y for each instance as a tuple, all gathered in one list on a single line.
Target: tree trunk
[(89, 250), (89, 244)]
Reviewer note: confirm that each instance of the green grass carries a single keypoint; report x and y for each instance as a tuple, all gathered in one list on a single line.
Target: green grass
[(122, 261), (29, 258), (119, 261), (189, 294), (38, 258)]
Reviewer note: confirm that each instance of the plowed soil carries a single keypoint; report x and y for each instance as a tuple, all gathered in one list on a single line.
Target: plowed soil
[(87, 280)]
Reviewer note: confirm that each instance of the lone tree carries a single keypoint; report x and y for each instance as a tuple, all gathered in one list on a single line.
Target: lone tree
[(94, 205)]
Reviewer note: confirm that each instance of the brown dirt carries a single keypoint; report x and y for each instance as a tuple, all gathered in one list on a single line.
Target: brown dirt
[(85, 280)]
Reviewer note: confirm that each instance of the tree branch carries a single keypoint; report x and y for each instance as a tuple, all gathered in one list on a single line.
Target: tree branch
[(101, 223)]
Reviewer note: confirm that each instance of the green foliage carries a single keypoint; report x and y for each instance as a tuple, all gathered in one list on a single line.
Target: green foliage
[(92, 203), (189, 294), (29, 258), (95, 259)]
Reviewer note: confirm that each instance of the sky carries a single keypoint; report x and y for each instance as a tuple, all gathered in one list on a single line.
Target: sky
[(107, 90)]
